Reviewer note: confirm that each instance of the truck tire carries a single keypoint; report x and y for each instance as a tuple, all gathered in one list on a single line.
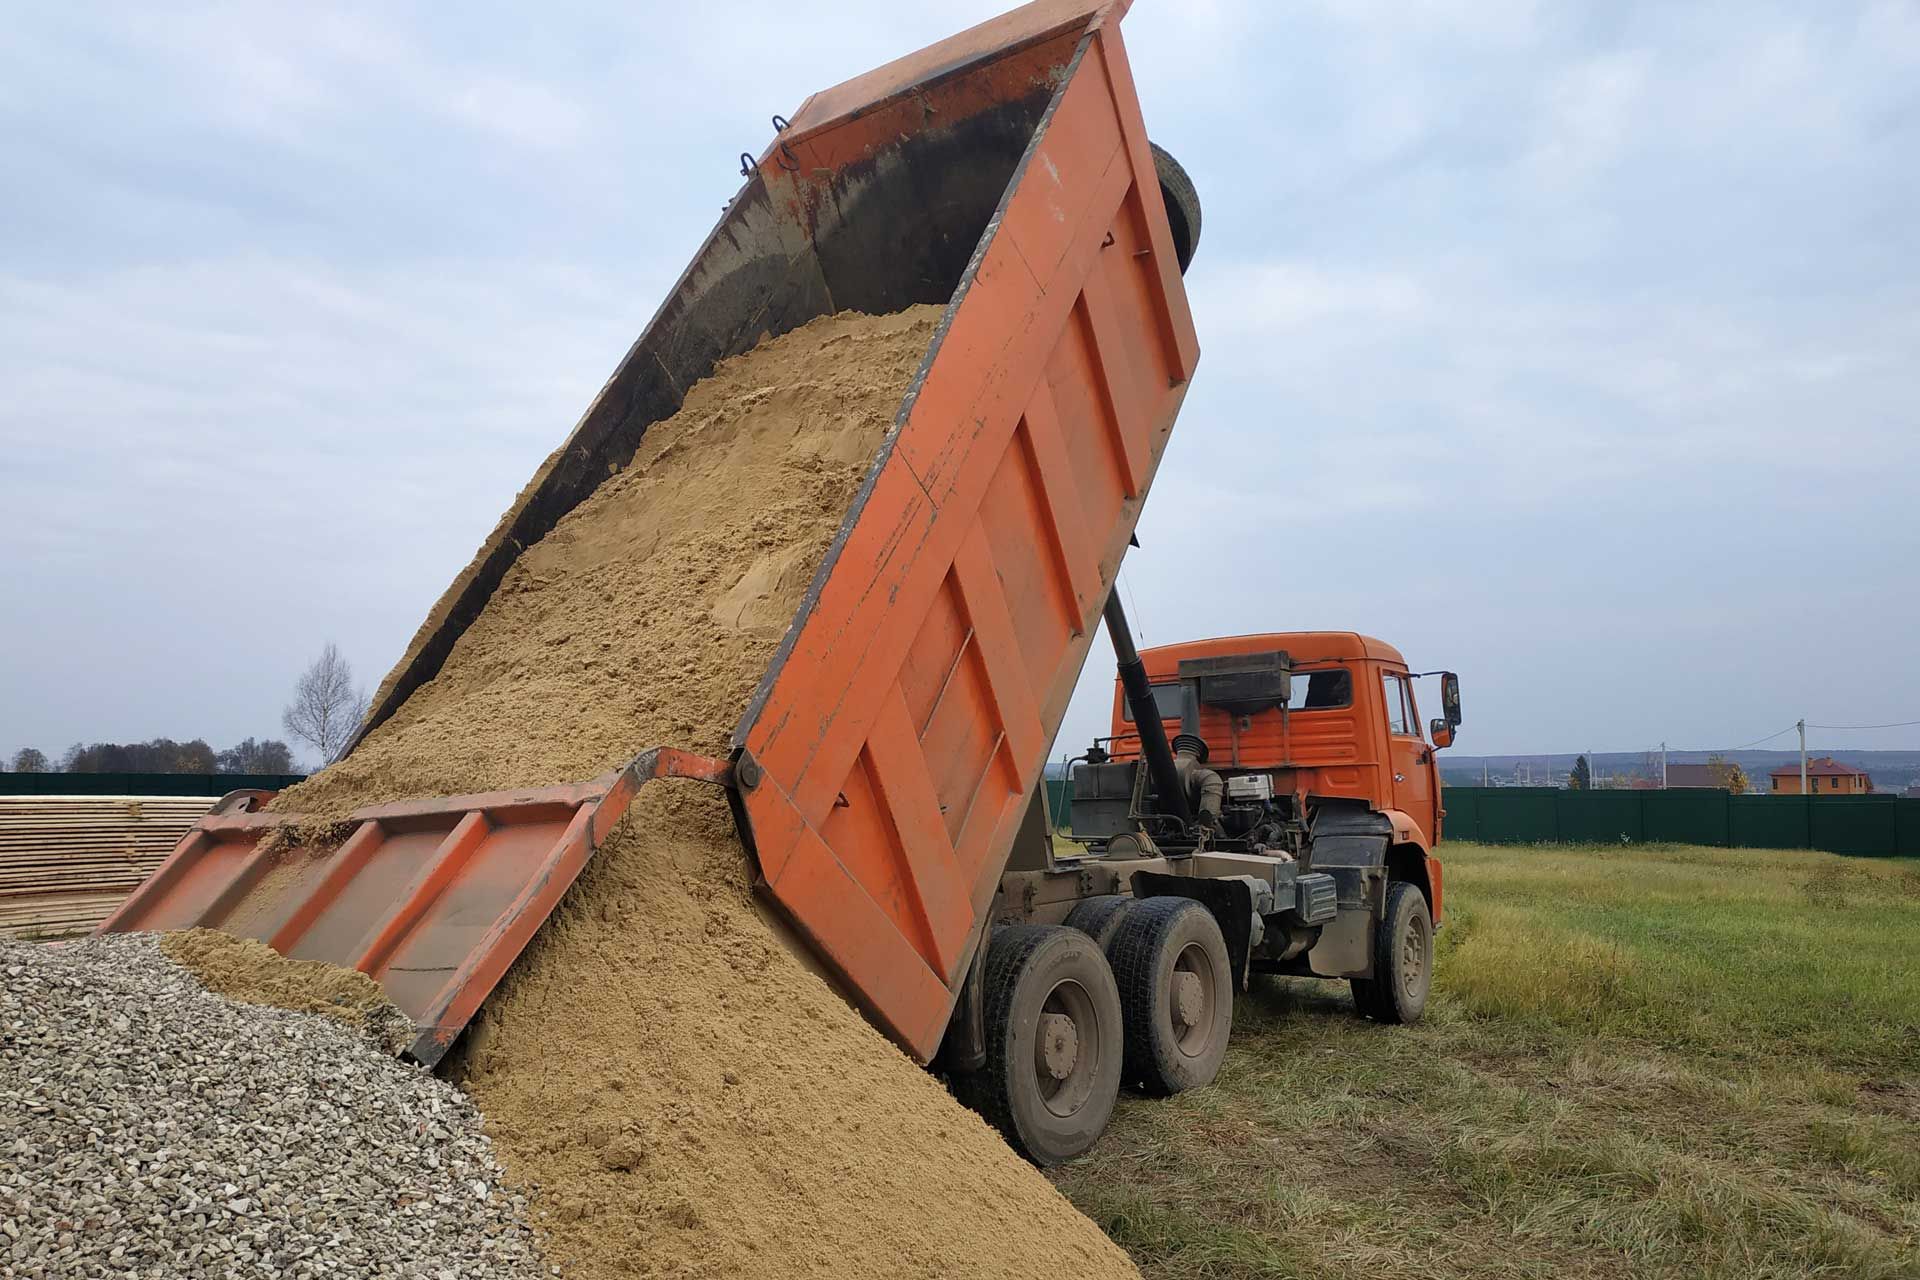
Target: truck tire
[(1053, 1028), (1176, 992), (1183, 204), (1402, 960), (1098, 917)]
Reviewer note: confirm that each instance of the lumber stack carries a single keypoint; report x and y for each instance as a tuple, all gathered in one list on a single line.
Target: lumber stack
[(67, 861)]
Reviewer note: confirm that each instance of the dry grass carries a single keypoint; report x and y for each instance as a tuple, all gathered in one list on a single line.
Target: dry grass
[(1647, 1062)]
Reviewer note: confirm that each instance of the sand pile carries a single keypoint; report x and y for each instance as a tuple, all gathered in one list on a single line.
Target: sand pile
[(251, 972), (684, 1095)]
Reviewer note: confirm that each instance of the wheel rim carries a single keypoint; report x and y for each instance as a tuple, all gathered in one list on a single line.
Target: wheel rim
[(1066, 1048), (1191, 1000), (1413, 957)]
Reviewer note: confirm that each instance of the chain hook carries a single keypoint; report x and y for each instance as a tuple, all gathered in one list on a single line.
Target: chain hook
[(787, 160), (784, 157)]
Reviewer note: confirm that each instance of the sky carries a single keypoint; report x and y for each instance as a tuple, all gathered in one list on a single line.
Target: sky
[(1570, 346)]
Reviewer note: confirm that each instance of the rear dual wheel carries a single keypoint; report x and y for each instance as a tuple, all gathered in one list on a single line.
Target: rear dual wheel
[(1053, 1031), (1098, 917), (1176, 993)]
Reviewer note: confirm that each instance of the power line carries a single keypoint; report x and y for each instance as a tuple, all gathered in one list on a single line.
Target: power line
[(1769, 738), (1134, 620), (1903, 724)]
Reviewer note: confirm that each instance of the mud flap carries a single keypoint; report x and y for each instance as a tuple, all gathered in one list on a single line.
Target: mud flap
[(964, 1047), (1350, 844)]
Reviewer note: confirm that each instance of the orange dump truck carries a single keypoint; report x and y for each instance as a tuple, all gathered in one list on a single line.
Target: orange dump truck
[(893, 750)]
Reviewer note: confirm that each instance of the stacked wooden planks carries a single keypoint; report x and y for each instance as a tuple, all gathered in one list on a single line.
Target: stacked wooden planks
[(67, 861)]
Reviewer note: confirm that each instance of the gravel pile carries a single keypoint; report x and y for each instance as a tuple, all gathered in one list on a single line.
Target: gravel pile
[(150, 1128)]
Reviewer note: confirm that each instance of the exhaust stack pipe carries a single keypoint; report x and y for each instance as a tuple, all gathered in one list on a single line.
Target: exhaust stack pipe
[(1190, 755), (1167, 786)]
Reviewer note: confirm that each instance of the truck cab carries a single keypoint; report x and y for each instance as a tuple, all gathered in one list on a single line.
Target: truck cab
[(1346, 728)]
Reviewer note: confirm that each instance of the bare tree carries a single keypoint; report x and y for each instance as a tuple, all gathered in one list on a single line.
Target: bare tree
[(326, 706), (29, 760)]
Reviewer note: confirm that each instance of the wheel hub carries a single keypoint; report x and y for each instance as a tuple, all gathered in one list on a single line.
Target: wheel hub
[(1413, 958), (1189, 1000), (1059, 1044)]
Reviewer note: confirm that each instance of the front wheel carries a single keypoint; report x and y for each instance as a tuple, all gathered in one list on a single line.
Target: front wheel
[(1052, 1073), (1402, 959)]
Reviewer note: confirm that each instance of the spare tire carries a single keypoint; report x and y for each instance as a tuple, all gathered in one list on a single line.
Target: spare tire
[(1183, 204)]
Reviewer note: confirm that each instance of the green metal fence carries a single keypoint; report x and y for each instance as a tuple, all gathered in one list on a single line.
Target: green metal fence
[(1059, 804), (1879, 826), (141, 784)]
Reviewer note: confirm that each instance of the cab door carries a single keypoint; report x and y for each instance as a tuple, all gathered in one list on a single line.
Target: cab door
[(1409, 758)]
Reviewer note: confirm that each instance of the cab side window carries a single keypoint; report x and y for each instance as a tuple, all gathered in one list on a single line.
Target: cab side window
[(1394, 690)]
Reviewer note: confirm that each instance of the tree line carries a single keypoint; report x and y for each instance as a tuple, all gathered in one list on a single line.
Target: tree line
[(161, 755), (327, 707)]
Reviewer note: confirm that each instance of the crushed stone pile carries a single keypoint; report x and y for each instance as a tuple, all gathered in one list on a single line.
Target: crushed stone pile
[(150, 1127), (663, 1067)]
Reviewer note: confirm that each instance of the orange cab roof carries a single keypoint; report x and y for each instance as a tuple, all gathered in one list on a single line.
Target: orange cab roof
[(1301, 646)]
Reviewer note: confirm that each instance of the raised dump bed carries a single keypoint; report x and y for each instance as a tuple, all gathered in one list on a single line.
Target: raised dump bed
[(886, 761)]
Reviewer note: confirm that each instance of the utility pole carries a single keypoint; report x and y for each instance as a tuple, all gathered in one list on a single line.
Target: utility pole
[(1663, 766), (1801, 725)]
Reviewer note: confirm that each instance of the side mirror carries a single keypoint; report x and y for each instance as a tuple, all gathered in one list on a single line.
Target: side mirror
[(1450, 699), (1441, 732)]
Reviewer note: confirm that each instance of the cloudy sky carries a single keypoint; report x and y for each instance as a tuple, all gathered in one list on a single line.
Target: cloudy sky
[(1571, 346)]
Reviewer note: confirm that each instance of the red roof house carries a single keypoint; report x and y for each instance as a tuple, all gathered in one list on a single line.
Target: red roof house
[(1825, 777)]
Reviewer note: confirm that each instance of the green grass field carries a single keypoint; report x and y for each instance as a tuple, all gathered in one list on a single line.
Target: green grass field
[(1653, 1061)]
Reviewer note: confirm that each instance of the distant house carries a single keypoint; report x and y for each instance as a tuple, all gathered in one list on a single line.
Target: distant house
[(1913, 790), (1694, 775), (1825, 776)]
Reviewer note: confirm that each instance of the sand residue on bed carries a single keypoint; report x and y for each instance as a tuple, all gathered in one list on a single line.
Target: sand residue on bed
[(648, 614), (251, 972), (685, 1096)]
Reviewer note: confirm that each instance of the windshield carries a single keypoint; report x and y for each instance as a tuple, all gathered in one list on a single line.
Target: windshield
[(1322, 690)]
